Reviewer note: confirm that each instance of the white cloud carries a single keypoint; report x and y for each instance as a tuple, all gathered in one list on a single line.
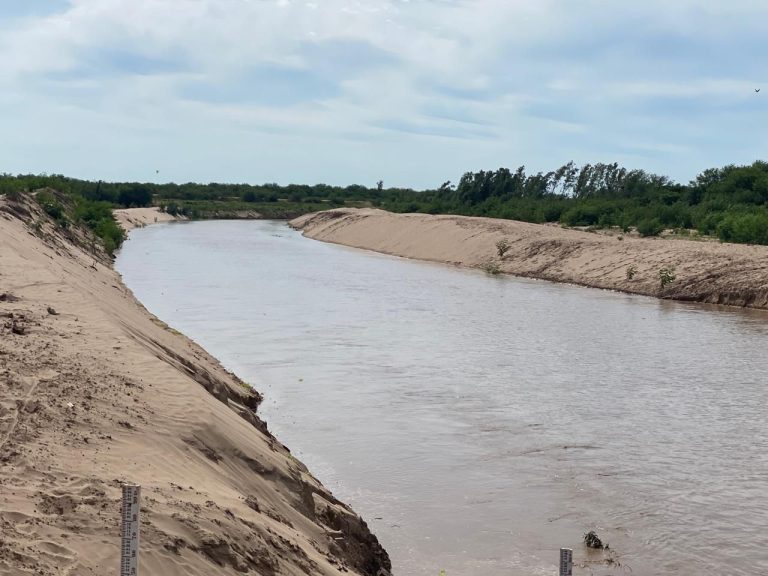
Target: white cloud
[(378, 86)]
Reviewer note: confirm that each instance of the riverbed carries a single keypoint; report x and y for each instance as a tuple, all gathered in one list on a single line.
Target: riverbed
[(480, 423)]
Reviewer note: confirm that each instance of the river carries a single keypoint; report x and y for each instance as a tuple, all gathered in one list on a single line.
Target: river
[(480, 423)]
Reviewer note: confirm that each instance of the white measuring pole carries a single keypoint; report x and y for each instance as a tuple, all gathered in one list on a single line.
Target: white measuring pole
[(129, 552), (566, 562)]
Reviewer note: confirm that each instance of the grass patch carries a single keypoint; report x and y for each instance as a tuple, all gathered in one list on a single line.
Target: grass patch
[(491, 267)]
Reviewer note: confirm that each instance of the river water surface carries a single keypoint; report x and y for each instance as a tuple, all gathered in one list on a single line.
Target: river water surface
[(480, 423)]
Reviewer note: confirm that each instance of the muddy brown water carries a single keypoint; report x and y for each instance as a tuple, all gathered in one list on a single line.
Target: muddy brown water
[(480, 423)]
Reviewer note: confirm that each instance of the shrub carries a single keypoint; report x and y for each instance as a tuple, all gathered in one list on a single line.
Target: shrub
[(580, 216), (502, 247), (649, 227), (97, 216), (631, 271), (135, 195), (491, 267), (666, 275), (172, 208), (110, 233), (52, 207), (12, 194), (751, 228)]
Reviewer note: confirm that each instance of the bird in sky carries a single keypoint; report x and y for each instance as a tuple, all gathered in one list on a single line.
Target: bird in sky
[(757, 90)]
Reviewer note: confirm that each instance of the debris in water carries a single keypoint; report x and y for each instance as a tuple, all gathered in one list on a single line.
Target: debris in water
[(592, 540)]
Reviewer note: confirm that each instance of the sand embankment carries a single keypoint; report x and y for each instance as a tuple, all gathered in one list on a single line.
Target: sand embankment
[(95, 391), (710, 272), (130, 218)]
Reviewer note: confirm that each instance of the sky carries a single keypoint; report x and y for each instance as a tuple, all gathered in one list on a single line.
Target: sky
[(411, 92)]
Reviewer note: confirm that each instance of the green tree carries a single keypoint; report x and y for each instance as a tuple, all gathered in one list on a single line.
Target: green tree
[(135, 195)]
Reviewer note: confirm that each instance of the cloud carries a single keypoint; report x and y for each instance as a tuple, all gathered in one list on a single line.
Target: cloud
[(456, 130), (264, 85), (318, 74), (449, 85), (15, 9)]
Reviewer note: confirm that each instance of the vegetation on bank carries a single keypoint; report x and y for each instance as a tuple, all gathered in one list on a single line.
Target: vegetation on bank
[(730, 203), (68, 208), (205, 209)]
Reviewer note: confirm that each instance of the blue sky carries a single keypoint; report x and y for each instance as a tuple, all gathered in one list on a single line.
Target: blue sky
[(414, 92)]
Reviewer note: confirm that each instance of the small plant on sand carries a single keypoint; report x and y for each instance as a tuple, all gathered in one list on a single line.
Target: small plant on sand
[(666, 275), (631, 271), (502, 247), (491, 267)]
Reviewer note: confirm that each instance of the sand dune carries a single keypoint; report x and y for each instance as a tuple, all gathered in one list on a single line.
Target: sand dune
[(710, 272), (94, 392)]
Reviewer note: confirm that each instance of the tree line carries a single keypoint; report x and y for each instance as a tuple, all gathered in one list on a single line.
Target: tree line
[(729, 202), (137, 194)]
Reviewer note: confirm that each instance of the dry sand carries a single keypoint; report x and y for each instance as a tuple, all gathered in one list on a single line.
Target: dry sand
[(95, 391), (130, 218), (733, 274)]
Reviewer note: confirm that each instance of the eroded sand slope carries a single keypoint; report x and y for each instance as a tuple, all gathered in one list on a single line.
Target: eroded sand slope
[(705, 271), (94, 391)]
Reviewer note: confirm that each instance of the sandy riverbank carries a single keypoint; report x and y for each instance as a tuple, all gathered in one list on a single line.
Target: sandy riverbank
[(95, 391), (130, 218), (710, 272)]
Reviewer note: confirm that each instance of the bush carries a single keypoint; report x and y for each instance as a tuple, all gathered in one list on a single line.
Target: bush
[(54, 210), (502, 247), (172, 208), (138, 195), (12, 194), (580, 216), (111, 235), (744, 228), (52, 207), (491, 267), (97, 216), (666, 275), (649, 227)]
